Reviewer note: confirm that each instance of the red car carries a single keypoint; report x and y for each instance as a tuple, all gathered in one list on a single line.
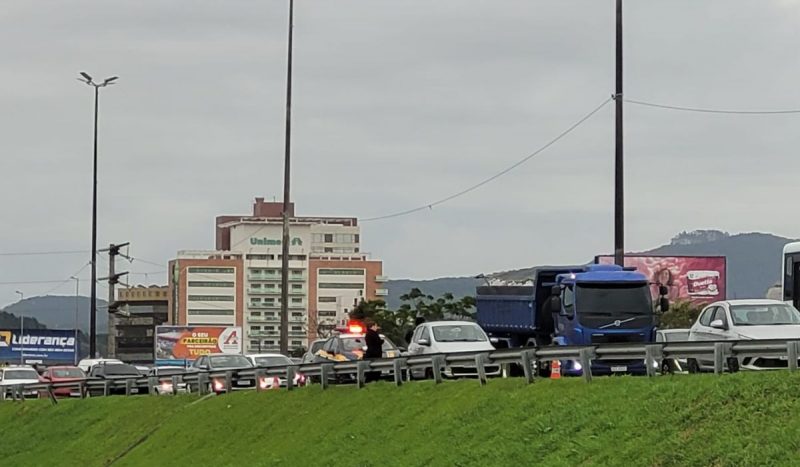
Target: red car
[(64, 374)]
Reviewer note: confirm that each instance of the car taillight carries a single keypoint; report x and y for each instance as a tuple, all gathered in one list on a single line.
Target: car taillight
[(166, 387), (218, 385), (262, 383)]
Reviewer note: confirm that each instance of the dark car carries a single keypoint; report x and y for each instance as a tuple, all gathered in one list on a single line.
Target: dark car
[(224, 362), (117, 373)]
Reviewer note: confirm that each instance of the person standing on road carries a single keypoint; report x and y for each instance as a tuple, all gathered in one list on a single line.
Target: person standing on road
[(374, 348)]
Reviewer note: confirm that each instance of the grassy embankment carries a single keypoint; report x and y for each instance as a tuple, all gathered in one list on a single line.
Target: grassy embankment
[(740, 419)]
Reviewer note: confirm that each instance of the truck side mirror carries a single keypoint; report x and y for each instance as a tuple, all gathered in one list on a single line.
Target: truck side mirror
[(664, 304), (663, 290)]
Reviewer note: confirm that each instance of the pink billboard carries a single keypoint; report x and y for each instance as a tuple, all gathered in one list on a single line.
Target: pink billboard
[(700, 279)]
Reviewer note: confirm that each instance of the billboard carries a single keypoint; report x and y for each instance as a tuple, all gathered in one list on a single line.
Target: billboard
[(180, 345), (701, 279), (45, 346)]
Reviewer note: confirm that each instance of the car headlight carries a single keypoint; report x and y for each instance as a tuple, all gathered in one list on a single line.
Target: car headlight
[(577, 365), (166, 387)]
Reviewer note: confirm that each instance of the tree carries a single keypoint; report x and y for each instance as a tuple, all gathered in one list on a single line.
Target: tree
[(681, 315)]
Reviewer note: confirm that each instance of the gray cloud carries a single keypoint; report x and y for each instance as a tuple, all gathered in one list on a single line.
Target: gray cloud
[(396, 104)]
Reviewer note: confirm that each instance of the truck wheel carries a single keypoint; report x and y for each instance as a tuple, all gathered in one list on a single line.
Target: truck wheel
[(733, 365), (693, 366)]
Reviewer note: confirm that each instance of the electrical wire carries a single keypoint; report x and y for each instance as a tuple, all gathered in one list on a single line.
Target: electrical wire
[(713, 111), (44, 253), (67, 280), (497, 175)]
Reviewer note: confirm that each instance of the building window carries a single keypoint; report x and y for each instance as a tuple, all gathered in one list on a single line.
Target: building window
[(255, 328), (211, 298), (317, 238), (259, 257), (255, 313), (210, 284), (327, 313), (269, 342), (269, 328), (297, 328), (317, 249), (297, 315), (332, 285), (357, 238), (297, 286), (328, 249), (297, 272), (254, 343), (341, 272), (327, 299), (211, 270), (297, 342), (297, 300), (205, 312), (328, 238)]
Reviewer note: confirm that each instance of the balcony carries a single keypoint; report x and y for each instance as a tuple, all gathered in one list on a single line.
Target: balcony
[(263, 305), (276, 277), (381, 278), (262, 319), (262, 333), (381, 292)]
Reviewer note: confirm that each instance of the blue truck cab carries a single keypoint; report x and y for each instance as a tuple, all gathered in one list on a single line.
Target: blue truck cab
[(572, 305)]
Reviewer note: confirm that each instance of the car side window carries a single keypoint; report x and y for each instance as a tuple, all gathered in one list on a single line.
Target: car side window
[(569, 298), (719, 314), (425, 334), (328, 346), (200, 362), (705, 318)]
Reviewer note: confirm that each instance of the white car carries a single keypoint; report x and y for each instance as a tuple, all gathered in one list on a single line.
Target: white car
[(266, 360), (14, 375), (87, 363), (446, 337), (741, 320)]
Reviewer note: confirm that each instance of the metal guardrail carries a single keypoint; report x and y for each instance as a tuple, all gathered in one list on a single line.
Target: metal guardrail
[(401, 368)]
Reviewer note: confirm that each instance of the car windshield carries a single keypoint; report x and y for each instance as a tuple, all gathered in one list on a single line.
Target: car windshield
[(273, 360), (67, 373), (229, 361), (120, 370), (678, 336), (598, 305), (354, 344), (21, 374), (316, 346), (764, 315), (458, 333)]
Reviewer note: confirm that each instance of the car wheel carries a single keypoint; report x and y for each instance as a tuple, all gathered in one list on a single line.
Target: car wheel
[(666, 368), (733, 364), (693, 366)]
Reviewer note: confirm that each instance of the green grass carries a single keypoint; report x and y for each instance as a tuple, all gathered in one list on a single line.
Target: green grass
[(740, 419)]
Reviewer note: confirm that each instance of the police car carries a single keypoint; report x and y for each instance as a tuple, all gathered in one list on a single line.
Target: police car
[(349, 344)]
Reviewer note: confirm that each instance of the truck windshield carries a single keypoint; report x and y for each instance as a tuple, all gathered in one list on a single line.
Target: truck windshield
[(617, 305)]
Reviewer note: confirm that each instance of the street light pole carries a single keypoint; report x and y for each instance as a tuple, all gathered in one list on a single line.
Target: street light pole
[(619, 200), (93, 299), (284, 339), (21, 331), (77, 342)]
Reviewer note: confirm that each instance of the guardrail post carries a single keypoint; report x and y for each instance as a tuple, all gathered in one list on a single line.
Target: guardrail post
[(791, 354), (480, 365), (106, 388), (259, 375), (202, 383), (325, 373), (153, 383), (397, 365), (128, 386), (82, 389), (228, 382), (291, 371), (650, 354), (528, 357), (720, 352), (17, 392), (361, 373), (174, 381), (438, 363), (586, 364), (52, 394)]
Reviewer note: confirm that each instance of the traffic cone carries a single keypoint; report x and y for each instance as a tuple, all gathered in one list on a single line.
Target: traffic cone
[(555, 369)]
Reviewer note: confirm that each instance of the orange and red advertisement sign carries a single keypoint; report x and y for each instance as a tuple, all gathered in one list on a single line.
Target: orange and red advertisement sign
[(186, 343)]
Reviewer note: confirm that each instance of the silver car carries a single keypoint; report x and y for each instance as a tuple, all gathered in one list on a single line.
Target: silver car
[(745, 320), (447, 337), (673, 365)]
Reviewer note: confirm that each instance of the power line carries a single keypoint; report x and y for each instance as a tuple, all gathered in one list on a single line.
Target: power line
[(497, 175), (67, 280), (44, 253), (713, 111)]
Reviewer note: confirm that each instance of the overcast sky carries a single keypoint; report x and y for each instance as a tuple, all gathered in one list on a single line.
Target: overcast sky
[(396, 104)]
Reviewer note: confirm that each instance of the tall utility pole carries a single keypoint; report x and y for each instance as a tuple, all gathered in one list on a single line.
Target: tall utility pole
[(93, 299), (77, 342), (284, 340), (113, 280), (619, 200)]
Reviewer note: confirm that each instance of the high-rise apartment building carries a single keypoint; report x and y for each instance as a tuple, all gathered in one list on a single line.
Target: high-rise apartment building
[(240, 282)]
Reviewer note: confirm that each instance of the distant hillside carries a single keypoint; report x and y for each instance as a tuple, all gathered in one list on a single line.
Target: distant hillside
[(753, 259), (58, 312)]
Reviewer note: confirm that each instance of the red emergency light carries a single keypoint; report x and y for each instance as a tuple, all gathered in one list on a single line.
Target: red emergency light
[(355, 327)]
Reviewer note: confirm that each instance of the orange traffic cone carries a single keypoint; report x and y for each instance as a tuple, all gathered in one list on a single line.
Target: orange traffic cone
[(555, 369)]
